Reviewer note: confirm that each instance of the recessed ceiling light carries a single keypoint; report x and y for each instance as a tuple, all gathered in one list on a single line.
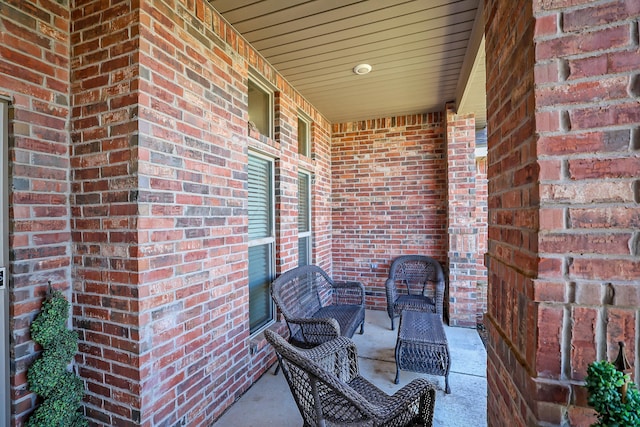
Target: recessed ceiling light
[(361, 69)]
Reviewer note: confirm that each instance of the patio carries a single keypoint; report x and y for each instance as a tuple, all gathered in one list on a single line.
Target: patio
[(269, 402), (127, 136)]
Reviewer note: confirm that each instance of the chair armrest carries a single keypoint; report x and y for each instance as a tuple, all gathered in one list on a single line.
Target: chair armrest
[(420, 391), (349, 292), (328, 348), (317, 330), (392, 292), (439, 297), (338, 356)]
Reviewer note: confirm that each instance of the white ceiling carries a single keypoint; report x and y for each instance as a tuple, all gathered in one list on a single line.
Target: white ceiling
[(424, 53)]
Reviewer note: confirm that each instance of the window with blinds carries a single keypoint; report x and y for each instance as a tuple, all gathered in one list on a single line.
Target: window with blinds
[(304, 218), (261, 241)]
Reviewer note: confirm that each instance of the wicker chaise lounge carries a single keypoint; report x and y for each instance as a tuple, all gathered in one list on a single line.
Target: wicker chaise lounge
[(317, 308), (407, 286), (326, 384)]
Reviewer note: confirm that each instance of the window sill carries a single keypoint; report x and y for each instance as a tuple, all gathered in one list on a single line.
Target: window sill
[(260, 141)]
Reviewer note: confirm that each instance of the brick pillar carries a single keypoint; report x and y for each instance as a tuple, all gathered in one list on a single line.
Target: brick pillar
[(481, 222), (104, 224), (562, 91), (462, 222)]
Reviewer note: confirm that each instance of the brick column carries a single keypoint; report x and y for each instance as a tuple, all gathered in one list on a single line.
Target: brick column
[(104, 223), (562, 90), (461, 216), (481, 221)]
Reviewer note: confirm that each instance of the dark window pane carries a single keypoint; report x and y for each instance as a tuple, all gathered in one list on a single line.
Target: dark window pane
[(259, 107), (303, 251), (260, 305)]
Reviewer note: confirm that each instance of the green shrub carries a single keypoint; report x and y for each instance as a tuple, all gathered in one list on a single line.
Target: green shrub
[(605, 384), (61, 390)]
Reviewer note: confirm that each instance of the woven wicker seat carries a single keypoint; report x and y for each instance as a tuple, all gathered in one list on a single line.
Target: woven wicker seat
[(315, 308), (416, 282), (329, 391), (422, 345)]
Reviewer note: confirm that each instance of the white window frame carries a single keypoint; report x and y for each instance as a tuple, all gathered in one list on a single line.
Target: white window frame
[(308, 233), (307, 134), (255, 80), (270, 240)]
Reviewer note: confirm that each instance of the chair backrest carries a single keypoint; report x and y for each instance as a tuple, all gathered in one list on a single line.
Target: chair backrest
[(319, 385), (414, 272), (302, 291)]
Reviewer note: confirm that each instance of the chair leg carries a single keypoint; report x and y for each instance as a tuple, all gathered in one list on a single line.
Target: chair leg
[(277, 368), (392, 327), (362, 328)]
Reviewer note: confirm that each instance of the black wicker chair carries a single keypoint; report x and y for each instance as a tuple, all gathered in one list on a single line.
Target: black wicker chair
[(315, 308), (416, 282), (329, 391)]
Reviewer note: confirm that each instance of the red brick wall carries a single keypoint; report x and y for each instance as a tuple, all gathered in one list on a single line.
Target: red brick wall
[(462, 223), (389, 195), (513, 212), (156, 225), (589, 204), (481, 214), (34, 53), (321, 195), (580, 298), (193, 354), (104, 150)]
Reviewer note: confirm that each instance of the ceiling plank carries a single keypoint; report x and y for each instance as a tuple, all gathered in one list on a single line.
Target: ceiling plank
[(393, 27), (432, 37), (373, 12)]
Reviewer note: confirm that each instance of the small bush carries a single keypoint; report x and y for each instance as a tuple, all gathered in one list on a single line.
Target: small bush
[(604, 384), (48, 376)]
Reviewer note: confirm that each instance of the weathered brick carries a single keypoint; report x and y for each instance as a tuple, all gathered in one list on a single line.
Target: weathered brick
[(605, 269), (583, 92), (589, 142), (548, 355), (550, 169), (546, 25), (616, 114), (547, 72), (591, 191), (595, 65), (588, 293), (593, 243), (604, 168), (599, 14), (621, 325), (583, 340), (549, 291), (552, 219), (618, 62), (586, 42)]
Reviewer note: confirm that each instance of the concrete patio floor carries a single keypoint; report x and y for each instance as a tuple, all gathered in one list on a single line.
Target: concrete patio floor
[(270, 403)]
